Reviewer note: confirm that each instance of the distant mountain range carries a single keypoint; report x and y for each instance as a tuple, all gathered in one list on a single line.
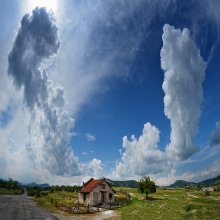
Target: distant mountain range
[(213, 181), (41, 186), (124, 183), (134, 183), (208, 182), (177, 184)]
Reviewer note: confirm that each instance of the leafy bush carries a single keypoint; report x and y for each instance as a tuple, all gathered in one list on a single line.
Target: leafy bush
[(207, 193), (122, 197), (36, 192), (188, 207)]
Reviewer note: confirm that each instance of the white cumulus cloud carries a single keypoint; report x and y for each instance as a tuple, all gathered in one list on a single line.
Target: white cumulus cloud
[(141, 155)]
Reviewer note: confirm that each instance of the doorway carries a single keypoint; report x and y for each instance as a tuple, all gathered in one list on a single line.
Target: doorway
[(103, 199)]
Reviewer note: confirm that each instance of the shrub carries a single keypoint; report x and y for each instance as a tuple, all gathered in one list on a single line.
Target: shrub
[(188, 207), (207, 193), (34, 192), (122, 197)]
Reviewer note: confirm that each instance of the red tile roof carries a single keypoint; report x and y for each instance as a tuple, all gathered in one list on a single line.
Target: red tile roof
[(90, 185)]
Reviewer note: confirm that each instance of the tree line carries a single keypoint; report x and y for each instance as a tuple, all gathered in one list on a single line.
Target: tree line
[(11, 185), (57, 188)]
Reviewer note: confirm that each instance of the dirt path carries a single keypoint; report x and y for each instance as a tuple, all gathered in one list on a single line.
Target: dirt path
[(106, 215), (192, 195), (21, 207)]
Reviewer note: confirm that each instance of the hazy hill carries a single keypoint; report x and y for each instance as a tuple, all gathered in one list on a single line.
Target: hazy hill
[(41, 186), (212, 181), (208, 182), (182, 184), (124, 183)]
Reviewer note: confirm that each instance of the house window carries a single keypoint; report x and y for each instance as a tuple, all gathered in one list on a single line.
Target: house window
[(103, 186), (84, 196), (110, 195)]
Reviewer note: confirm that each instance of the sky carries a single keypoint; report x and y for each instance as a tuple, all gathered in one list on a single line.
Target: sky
[(117, 89)]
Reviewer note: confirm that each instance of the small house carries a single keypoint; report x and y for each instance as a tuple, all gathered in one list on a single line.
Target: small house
[(96, 192)]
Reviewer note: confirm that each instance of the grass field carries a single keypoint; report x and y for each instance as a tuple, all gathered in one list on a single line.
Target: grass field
[(172, 204), (164, 204)]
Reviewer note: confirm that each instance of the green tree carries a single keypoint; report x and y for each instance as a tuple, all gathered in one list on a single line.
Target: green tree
[(9, 184), (147, 186)]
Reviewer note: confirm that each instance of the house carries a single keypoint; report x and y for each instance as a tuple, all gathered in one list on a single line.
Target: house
[(96, 192)]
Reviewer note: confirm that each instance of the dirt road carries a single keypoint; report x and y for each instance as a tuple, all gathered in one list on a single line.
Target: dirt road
[(106, 215), (21, 207)]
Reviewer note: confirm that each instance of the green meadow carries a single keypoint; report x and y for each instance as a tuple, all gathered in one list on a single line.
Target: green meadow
[(172, 204)]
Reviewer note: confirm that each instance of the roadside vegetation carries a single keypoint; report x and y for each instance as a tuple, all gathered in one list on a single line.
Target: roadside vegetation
[(122, 197), (56, 198), (10, 187), (56, 201)]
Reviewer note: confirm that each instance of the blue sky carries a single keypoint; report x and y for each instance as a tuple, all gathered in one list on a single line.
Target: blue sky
[(71, 97)]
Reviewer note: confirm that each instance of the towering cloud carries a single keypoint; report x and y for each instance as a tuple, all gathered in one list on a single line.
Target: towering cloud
[(35, 42), (184, 73), (49, 126), (141, 156)]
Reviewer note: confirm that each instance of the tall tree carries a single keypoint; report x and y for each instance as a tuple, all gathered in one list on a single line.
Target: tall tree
[(147, 186)]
